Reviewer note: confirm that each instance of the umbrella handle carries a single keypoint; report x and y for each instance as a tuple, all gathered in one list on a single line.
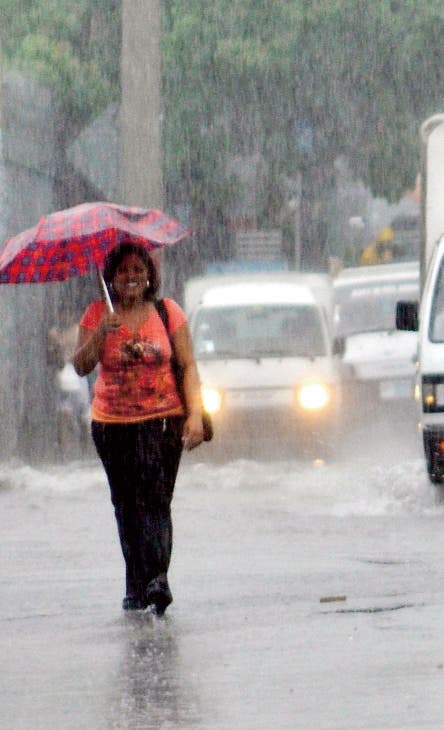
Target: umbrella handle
[(105, 292)]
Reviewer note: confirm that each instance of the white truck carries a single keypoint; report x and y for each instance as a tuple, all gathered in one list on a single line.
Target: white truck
[(427, 317), (269, 370)]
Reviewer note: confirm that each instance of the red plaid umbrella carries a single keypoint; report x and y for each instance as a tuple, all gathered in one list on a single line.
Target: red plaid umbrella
[(71, 242)]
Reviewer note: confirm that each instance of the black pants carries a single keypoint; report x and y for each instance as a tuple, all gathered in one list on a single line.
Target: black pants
[(141, 462)]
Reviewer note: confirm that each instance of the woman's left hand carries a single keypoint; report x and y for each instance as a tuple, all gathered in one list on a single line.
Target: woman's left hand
[(192, 431)]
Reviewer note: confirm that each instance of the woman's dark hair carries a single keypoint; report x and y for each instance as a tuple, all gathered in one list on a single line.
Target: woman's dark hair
[(115, 258)]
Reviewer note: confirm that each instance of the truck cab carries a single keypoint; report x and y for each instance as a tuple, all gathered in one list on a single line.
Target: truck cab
[(427, 317)]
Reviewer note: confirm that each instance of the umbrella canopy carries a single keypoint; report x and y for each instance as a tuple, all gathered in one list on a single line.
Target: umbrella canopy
[(72, 242)]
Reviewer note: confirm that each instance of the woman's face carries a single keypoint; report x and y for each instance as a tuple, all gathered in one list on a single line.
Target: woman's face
[(130, 279)]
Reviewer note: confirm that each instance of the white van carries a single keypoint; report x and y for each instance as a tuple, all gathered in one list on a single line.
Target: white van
[(264, 349), (379, 361)]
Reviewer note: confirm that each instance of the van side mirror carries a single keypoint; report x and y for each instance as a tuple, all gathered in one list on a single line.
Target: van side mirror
[(339, 346), (407, 316)]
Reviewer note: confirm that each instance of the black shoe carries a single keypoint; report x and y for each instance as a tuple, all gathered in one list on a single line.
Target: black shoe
[(158, 594), (130, 603)]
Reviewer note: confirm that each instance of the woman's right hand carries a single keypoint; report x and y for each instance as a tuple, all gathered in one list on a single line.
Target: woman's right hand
[(90, 344), (110, 322)]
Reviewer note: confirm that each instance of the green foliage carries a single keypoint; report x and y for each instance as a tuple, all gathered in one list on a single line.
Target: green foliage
[(296, 82), (73, 48), (387, 71), (80, 86), (359, 76)]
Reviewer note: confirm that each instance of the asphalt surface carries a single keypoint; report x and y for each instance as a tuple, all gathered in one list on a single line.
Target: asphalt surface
[(306, 595)]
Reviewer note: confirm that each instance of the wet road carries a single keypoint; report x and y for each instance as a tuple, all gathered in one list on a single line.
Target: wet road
[(248, 642)]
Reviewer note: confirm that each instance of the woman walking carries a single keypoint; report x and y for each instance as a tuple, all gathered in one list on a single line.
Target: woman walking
[(140, 421)]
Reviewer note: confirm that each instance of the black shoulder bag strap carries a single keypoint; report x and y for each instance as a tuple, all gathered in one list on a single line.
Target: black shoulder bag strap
[(163, 314), (206, 419)]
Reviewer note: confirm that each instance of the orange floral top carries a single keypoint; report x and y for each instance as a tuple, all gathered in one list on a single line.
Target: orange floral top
[(135, 381)]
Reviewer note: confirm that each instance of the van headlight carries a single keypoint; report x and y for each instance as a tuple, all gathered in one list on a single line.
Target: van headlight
[(433, 394), (313, 396), (211, 399)]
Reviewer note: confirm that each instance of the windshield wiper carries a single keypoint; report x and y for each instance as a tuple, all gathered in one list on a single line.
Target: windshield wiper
[(219, 354), (369, 331), (273, 352)]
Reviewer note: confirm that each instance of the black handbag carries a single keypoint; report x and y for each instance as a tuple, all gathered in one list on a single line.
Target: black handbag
[(207, 423)]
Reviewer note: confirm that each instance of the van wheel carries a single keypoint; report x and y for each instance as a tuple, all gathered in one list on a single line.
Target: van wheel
[(324, 445), (436, 475)]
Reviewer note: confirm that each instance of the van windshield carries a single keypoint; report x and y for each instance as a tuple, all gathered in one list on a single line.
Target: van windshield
[(370, 307), (258, 331)]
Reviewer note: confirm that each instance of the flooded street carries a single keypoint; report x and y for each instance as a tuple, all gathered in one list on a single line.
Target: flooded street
[(254, 638), (256, 183)]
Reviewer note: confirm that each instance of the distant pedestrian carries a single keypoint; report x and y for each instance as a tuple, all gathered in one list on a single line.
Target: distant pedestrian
[(381, 250), (71, 392)]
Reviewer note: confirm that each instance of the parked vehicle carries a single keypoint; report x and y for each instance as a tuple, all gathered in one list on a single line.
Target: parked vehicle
[(379, 361), (428, 317), (269, 371)]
